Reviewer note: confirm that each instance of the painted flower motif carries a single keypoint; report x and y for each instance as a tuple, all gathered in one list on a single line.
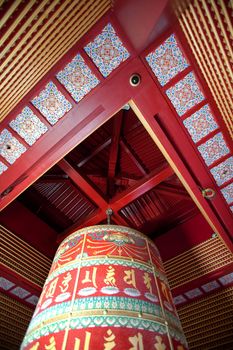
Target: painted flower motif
[(167, 60), (51, 103), (10, 148), (223, 172), (28, 126), (213, 149), (200, 124), (185, 94), (77, 78), (107, 51)]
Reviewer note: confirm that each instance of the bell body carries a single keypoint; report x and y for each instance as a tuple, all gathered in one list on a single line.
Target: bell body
[(106, 290)]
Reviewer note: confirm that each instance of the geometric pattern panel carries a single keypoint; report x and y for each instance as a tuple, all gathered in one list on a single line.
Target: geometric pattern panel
[(10, 147), (77, 78), (210, 286), (179, 299), (200, 124), (228, 193), (5, 283), (51, 103), (107, 51), (185, 94), (3, 167), (167, 60), (196, 292), (223, 172), (227, 279), (213, 149), (33, 299), (28, 126), (20, 292)]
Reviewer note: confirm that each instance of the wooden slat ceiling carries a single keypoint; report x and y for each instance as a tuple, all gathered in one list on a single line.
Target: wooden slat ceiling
[(34, 36), (208, 28)]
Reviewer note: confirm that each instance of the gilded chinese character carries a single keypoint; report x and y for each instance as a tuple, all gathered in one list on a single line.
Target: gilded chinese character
[(65, 282), (52, 345), (93, 277), (137, 342), (147, 281), (109, 340), (110, 279), (130, 277)]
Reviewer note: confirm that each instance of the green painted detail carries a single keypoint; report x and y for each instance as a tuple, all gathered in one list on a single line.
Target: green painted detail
[(97, 303), (53, 311), (117, 303), (95, 321)]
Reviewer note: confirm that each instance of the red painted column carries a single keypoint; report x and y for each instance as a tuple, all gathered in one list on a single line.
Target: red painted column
[(106, 290)]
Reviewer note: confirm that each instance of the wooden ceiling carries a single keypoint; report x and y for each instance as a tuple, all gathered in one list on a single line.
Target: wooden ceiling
[(117, 167), (34, 36), (147, 168), (208, 28)]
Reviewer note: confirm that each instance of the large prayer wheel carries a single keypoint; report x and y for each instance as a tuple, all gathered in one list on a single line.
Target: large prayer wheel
[(106, 290)]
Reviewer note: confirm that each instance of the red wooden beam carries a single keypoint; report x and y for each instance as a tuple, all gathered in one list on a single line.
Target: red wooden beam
[(133, 156), (82, 184), (173, 191), (94, 153), (117, 124), (144, 186), (116, 204)]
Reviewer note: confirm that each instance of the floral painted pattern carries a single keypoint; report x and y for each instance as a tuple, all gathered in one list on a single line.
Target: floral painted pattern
[(107, 50), (167, 60), (77, 78)]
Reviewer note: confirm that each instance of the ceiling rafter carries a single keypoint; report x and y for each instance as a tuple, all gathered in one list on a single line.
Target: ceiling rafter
[(114, 151), (96, 151), (142, 186), (116, 203), (133, 156), (173, 191)]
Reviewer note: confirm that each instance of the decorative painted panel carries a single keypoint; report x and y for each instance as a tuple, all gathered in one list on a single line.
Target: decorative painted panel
[(51, 103), (213, 149), (210, 286), (3, 167), (196, 292), (33, 299), (227, 279), (228, 193), (28, 126), (179, 299), (107, 50), (6, 284), (223, 172), (167, 60), (10, 148), (185, 94), (20, 292), (77, 78), (200, 124)]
